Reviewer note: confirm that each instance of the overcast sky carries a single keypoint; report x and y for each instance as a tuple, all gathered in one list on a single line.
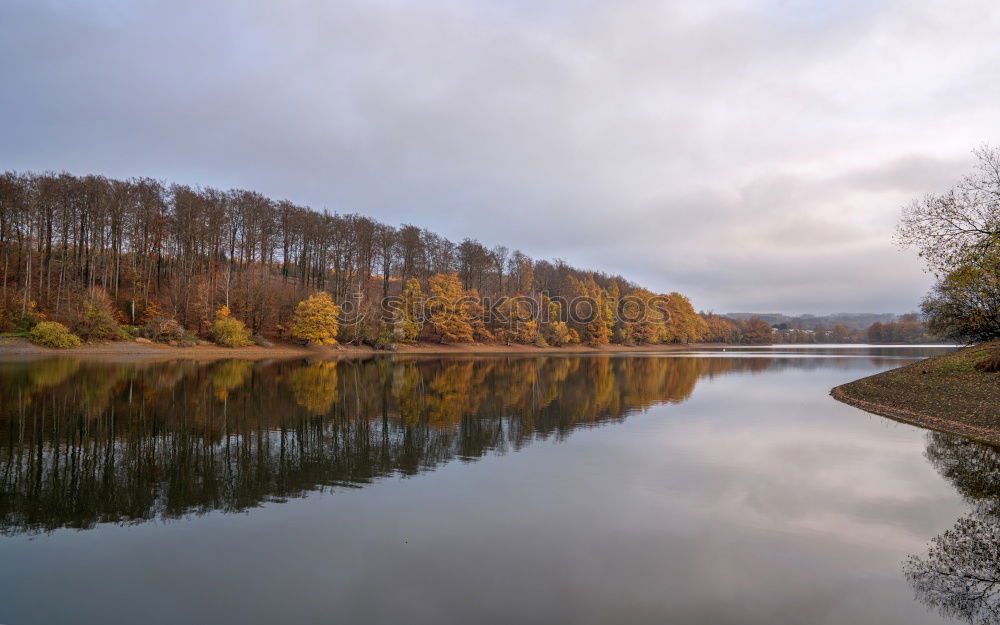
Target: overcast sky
[(753, 155)]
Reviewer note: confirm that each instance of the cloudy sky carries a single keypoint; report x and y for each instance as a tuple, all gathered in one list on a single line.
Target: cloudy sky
[(753, 155)]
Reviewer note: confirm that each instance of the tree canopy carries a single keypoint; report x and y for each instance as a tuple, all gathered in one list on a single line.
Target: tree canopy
[(957, 233), (315, 320)]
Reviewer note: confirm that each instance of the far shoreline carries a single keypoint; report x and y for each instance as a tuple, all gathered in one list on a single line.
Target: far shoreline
[(16, 349), (20, 350)]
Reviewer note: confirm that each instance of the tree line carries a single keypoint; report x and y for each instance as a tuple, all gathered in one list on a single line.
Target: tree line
[(906, 329), (142, 251), (174, 263)]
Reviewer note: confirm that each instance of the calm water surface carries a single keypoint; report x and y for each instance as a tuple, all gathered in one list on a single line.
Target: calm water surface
[(715, 487)]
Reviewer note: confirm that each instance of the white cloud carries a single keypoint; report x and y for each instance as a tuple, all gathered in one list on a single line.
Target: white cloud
[(753, 154)]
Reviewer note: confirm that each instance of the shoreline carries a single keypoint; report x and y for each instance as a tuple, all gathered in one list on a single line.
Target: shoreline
[(983, 434), (943, 393), (17, 349), (20, 350)]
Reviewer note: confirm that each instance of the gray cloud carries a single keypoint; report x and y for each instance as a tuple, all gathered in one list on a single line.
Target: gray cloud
[(751, 154)]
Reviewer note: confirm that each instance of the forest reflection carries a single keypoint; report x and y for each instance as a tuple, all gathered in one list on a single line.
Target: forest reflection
[(960, 573), (82, 444)]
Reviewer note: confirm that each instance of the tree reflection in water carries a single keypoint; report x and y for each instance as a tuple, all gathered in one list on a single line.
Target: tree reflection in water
[(960, 574), (126, 443)]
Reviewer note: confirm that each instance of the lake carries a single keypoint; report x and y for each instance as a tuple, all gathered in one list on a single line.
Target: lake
[(711, 487)]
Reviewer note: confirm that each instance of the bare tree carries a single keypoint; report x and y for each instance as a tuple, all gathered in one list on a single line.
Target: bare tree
[(960, 225)]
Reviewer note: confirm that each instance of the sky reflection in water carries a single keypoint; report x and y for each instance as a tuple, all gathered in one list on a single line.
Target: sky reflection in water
[(723, 489)]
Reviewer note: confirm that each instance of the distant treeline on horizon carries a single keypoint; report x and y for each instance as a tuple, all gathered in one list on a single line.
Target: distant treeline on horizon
[(854, 321), (908, 328), (173, 251)]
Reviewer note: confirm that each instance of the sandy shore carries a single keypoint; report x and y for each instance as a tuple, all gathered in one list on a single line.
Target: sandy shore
[(18, 349), (943, 393)]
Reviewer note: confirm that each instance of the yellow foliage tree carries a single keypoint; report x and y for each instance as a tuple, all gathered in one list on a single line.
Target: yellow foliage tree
[(446, 309), (561, 334), (554, 330), (598, 331), (595, 328), (407, 320), (315, 320), (521, 325), (474, 314), (229, 331), (643, 317)]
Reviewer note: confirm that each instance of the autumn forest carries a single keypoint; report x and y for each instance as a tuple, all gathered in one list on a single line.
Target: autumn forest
[(114, 259)]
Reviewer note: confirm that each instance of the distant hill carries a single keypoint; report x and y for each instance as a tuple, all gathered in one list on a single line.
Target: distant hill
[(854, 321)]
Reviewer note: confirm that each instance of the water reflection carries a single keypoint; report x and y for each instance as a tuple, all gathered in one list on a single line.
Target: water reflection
[(960, 573), (127, 443)]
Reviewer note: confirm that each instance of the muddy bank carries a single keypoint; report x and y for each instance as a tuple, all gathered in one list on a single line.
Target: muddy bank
[(12, 349), (944, 393)]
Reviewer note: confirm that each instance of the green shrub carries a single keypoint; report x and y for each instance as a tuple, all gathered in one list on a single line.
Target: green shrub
[(53, 334), (24, 321), (97, 320), (229, 331), (385, 339)]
